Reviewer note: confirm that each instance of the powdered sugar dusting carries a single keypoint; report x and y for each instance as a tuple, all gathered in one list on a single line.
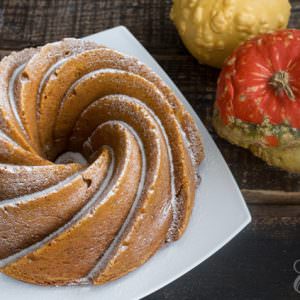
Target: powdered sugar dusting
[(137, 76), (35, 196), (134, 206), (71, 157), (47, 75), (173, 194), (11, 94), (83, 212)]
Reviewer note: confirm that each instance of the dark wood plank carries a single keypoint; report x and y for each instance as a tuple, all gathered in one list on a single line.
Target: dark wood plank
[(35, 22), (272, 197), (258, 264), (31, 23)]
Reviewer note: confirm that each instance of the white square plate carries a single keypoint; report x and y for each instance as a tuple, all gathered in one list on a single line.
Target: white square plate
[(220, 213)]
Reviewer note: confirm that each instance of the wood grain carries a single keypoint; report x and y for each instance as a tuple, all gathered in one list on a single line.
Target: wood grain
[(258, 263), (271, 197), (32, 23)]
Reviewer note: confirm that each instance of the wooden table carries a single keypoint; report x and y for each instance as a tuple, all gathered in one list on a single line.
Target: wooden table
[(258, 264)]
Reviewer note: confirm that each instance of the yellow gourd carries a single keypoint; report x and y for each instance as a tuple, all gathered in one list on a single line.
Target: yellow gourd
[(212, 29)]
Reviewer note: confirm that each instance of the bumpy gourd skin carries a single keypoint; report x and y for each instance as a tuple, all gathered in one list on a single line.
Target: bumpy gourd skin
[(211, 30), (258, 98), (286, 156)]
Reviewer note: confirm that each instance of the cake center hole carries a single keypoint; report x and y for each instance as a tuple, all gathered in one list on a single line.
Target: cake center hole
[(71, 157)]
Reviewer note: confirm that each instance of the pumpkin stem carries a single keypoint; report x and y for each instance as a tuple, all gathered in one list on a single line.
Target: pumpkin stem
[(280, 81)]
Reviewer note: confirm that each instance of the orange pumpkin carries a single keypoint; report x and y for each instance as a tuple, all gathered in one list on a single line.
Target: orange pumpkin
[(258, 98)]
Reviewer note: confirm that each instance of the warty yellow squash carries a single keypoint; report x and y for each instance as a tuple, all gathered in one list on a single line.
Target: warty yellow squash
[(212, 29)]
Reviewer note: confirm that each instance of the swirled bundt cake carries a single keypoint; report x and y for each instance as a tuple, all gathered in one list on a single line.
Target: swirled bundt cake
[(98, 164)]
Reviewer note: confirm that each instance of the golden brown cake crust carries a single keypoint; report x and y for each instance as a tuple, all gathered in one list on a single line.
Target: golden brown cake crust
[(101, 162)]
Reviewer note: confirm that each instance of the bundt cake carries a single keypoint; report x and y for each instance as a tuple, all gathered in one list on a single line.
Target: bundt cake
[(98, 164)]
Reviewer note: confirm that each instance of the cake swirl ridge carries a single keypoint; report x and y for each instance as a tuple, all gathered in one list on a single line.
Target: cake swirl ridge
[(98, 164)]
